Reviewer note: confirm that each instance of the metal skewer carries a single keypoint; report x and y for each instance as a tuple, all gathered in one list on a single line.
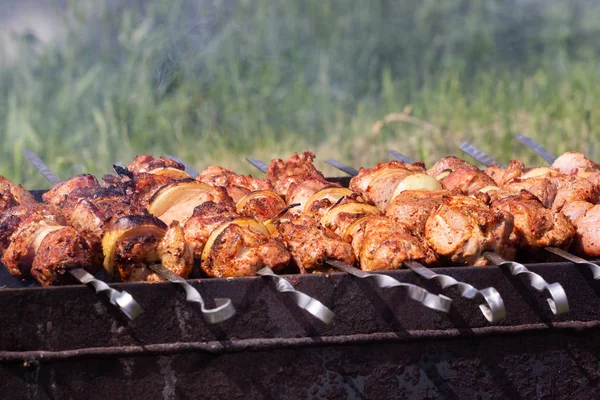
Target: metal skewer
[(558, 298), (342, 167), (493, 311), (537, 148), (188, 167), (472, 151), (479, 155), (399, 156), (433, 301), (123, 300)]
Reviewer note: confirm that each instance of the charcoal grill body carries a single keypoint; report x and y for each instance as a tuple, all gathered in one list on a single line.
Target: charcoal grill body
[(66, 342)]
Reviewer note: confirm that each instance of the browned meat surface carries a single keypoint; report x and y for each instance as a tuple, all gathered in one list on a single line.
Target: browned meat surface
[(342, 215), (572, 163), (297, 168), (463, 228), (322, 202), (502, 176), (380, 244), (63, 250), (312, 244), (7, 201), (535, 226), (299, 193), (411, 208), (11, 219), (24, 244), (586, 218), (573, 188), (237, 186), (542, 187), (16, 192), (239, 251), (449, 164), (144, 187), (262, 205), (58, 194), (466, 181), (205, 219), (148, 163)]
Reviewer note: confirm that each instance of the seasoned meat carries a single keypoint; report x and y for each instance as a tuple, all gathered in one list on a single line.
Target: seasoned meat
[(342, 215), (205, 219), (502, 176), (535, 226), (14, 192), (261, 204), (63, 250), (237, 186), (312, 244), (239, 251), (411, 208), (586, 218), (144, 187), (380, 244), (466, 181), (542, 187), (361, 182), (148, 163), (449, 164), (11, 219), (571, 163), (297, 168), (59, 193), (463, 228), (300, 192)]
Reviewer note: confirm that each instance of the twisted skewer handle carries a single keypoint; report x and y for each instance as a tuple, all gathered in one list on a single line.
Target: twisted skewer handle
[(399, 156), (304, 301), (537, 148), (479, 155), (493, 310), (558, 298), (595, 268), (224, 309), (122, 300), (428, 299)]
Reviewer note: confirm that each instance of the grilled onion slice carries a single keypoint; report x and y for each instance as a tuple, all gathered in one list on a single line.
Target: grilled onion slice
[(128, 227), (352, 210), (268, 210), (417, 182), (170, 172), (177, 200), (333, 194)]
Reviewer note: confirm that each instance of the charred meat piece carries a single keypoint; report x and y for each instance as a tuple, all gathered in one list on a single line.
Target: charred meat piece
[(237, 186), (59, 193), (11, 219), (311, 244), (240, 247), (535, 226), (13, 192), (411, 208), (297, 168), (463, 228), (63, 250), (380, 244), (205, 219)]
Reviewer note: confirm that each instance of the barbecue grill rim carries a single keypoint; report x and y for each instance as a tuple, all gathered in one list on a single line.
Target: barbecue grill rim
[(271, 344)]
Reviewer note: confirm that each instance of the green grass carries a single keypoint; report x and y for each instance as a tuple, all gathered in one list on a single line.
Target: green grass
[(214, 83)]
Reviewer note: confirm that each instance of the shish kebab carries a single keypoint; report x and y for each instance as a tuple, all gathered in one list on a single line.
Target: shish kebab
[(569, 211), (224, 307), (226, 243), (309, 244), (56, 249), (435, 206)]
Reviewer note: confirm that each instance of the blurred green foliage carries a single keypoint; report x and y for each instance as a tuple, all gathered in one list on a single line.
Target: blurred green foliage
[(216, 81)]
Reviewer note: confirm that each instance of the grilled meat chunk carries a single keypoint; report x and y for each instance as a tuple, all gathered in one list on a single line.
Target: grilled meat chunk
[(261, 204), (411, 208), (502, 176), (380, 244), (571, 163), (299, 193), (237, 186), (59, 193), (466, 181), (311, 244), (205, 219), (148, 163), (449, 164), (62, 250), (11, 192), (535, 226), (463, 228), (297, 168), (586, 218)]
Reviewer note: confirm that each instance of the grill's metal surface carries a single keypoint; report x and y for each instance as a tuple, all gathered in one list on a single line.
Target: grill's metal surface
[(378, 346)]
